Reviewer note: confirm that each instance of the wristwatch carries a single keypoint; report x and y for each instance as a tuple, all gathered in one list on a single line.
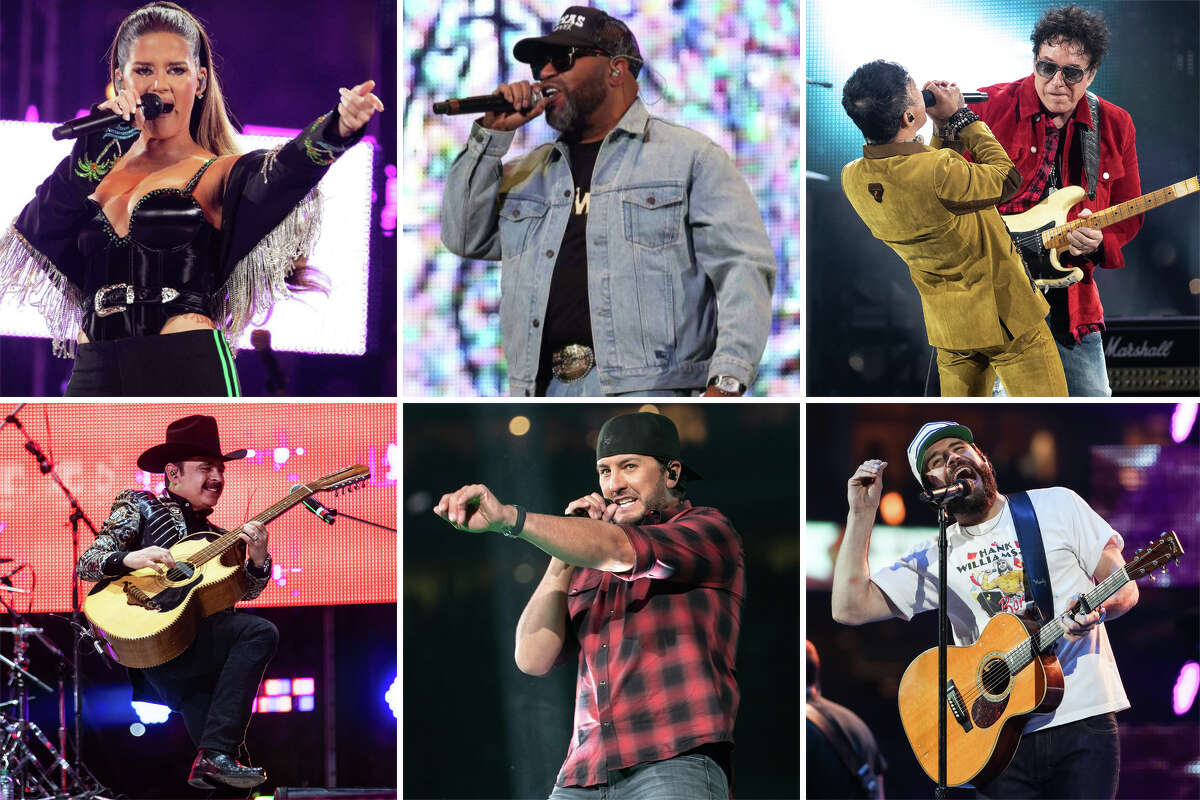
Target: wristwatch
[(727, 384)]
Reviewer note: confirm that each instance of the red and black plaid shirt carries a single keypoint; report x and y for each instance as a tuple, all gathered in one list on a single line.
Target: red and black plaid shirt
[(657, 645), (1035, 190)]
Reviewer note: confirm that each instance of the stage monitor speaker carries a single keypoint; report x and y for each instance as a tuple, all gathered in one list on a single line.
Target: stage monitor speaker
[(1153, 355)]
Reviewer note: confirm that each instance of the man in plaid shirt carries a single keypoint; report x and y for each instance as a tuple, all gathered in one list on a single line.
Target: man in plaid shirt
[(649, 588)]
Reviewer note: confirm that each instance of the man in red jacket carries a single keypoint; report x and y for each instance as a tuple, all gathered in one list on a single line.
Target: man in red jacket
[(1042, 120)]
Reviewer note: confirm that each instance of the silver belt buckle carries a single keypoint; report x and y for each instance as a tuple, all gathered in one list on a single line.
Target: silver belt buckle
[(572, 362), (102, 310)]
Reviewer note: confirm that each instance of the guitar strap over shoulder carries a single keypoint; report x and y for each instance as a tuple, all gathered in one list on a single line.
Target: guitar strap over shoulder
[(1033, 553), (1089, 142), (838, 740)]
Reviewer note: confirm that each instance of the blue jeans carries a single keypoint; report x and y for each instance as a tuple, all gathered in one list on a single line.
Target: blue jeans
[(589, 386), (687, 777), (1079, 759), (1083, 364)]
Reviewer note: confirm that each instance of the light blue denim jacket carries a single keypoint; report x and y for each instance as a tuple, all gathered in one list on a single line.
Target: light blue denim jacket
[(673, 234)]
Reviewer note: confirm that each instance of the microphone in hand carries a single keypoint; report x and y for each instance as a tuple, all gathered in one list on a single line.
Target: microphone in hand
[(968, 97), (151, 105), (487, 103)]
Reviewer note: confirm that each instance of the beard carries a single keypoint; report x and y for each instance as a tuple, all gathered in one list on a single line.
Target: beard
[(660, 500), (983, 493), (570, 115)]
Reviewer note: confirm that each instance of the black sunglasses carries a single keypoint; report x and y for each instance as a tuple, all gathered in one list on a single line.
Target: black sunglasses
[(1048, 69), (562, 60)]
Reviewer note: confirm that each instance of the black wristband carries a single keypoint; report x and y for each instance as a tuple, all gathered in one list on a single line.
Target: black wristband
[(515, 530)]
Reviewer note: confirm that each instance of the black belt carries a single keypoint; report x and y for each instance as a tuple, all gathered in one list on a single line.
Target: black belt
[(117, 297)]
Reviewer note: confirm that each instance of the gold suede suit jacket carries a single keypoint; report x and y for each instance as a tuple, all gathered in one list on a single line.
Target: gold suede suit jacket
[(938, 212)]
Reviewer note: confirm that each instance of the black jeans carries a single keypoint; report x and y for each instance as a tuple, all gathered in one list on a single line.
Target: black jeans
[(213, 683), (1078, 760), (187, 364)]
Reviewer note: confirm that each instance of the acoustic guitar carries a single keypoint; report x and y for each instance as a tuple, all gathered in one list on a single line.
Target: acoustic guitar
[(149, 617), (1040, 234), (992, 685)]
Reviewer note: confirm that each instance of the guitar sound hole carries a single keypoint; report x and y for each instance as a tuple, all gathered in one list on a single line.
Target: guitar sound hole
[(995, 676), (181, 571)]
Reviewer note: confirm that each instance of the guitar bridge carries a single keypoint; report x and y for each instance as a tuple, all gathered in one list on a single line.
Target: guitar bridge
[(136, 597), (957, 707)]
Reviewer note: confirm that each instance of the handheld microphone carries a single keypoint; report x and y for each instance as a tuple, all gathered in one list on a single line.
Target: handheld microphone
[(484, 103), (968, 97), (151, 105), (327, 515), (945, 494), (583, 512)]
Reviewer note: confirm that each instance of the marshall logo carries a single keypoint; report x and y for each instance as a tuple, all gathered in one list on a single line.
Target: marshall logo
[(1118, 347), (569, 21)]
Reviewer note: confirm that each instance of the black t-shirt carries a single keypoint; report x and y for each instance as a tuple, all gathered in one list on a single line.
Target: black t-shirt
[(1059, 318), (568, 316)]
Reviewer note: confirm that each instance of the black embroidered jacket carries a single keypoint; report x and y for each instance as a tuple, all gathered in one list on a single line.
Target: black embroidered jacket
[(140, 519)]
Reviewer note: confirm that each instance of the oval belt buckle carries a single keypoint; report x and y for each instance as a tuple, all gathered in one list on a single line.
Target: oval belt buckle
[(103, 310), (572, 362)]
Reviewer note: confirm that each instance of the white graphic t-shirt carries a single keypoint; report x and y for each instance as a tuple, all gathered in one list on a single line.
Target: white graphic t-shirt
[(987, 576)]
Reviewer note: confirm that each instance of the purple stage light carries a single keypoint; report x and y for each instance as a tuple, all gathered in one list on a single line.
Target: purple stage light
[(1183, 419), (1186, 686), (31, 114)]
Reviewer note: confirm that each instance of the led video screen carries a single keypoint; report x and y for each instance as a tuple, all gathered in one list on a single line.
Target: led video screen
[(731, 71), (94, 448), (311, 323)]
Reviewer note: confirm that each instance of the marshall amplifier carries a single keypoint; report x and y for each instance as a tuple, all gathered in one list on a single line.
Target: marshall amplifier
[(1153, 355)]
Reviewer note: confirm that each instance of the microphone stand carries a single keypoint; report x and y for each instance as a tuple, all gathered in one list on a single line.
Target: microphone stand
[(77, 515), (943, 625), (335, 513)]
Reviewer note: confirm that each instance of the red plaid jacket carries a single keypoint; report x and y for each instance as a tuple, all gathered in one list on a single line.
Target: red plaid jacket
[(656, 645), (1017, 119)]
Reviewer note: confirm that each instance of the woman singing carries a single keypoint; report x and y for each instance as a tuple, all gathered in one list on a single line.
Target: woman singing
[(154, 244)]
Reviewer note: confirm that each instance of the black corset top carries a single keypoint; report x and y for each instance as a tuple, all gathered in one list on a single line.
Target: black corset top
[(167, 264)]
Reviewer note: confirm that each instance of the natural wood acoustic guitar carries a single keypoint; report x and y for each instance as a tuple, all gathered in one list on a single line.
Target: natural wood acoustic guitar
[(1040, 234), (992, 685), (149, 617)]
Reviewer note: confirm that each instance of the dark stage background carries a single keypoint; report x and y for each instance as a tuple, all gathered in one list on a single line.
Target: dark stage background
[(1030, 446), (475, 726), (866, 333), (280, 63), (357, 732)]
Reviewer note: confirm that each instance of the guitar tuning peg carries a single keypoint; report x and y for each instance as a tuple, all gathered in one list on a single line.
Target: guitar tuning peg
[(1153, 577)]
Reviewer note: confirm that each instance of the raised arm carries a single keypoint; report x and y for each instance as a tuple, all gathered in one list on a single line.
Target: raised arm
[(856, 598), (594, 543)]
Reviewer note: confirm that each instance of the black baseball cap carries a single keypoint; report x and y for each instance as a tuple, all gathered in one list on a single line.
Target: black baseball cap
[(642, 433), (584, 27)]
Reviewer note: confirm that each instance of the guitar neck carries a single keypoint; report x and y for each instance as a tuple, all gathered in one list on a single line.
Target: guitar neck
[(230, 537), (1057, 237), (1052, 631)]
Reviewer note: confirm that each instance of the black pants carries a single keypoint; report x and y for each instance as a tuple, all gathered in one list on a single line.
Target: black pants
[(213, 683), (188, 364), (1080, 759)]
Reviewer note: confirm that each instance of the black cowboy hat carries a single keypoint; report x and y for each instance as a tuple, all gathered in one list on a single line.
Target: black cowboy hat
[(187, 439)]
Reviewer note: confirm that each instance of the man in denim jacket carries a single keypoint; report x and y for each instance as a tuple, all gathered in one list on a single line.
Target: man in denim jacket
[(667, 288)]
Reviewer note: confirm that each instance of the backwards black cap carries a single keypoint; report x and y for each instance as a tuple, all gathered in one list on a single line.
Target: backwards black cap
[(642, 433)]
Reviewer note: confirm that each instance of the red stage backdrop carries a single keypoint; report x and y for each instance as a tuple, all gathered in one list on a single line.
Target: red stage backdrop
[(95, 447)]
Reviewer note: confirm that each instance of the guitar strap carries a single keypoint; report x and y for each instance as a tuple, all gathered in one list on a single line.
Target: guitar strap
[(1033, 553), (837, 739), (1089, 142)]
